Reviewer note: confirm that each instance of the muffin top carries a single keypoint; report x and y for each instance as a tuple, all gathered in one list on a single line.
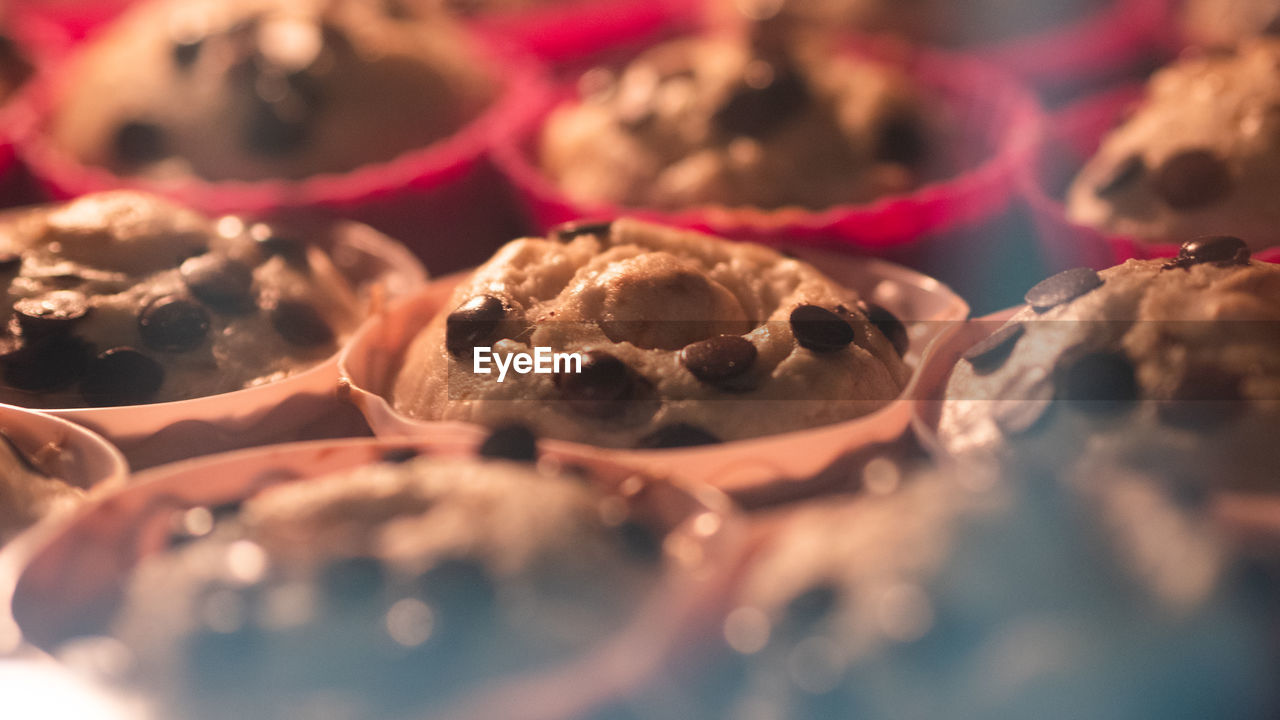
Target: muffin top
[(1196, 156), (391, 589), (683, 339), (122, 298), (1174, 364), (1223, 23), (27, 492), (735, 121), (257, 89)]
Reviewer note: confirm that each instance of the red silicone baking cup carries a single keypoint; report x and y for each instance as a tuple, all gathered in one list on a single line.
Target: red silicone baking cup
[(300, 406), (998, 120), (1071, 137), (768, 465), (445, 201), (72, 569)]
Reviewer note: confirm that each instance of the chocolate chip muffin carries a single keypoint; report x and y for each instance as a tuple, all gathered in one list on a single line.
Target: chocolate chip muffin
[(257, 89), (683, 339), (1223, 23), (1170, 365), (393, 590), (742, 119), (1195, 157), (27, 492), (121, 298)]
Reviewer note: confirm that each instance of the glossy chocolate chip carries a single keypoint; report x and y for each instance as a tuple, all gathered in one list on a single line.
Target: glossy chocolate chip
[(173, 324), (10, 262), (1205, 399), (760, 109), (121, 376), (901, 138), (820, 330), (186, 52), (719, 359), (473, 324), (511, 442), (399, 456), (352, 581), (301, 324), (1062, 288), (1100, 383), (678, 435), (1023, 415), (46, 364), (52, 312), (1216, 249), (640, 541), (140, 143), (273, 243), (601, 389), (990, 353), (1192, 179), (1123, 175), (569, 231), (221, 283), (890, 326)]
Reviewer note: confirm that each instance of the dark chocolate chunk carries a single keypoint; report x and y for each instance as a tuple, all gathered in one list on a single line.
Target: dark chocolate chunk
[(173, 324), (186, 52), (140, 143), (890, 326), (275, 129), (52, 312), (901, 138), (569, 231), (399, 456), (121, 376), (1022, 415), (46, 364), (602, 387), (1062, 288), (811, 606), (719, 359), (820, 330), (511, 442), (991, 353), (678, 435), (640, 541), (1204, 400), (1121, 176), (473, 324), (1099, 383), (301, 324), (275, 244), (1217, 249), (221, 283), (352, 581), (758, 109), (10, 262), (1192, 179)]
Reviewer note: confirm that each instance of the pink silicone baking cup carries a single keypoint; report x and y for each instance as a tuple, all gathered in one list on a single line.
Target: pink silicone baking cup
[(998, 120), (72, 570), (301, 406), (446, 201), (1072, 136), (794, 459)]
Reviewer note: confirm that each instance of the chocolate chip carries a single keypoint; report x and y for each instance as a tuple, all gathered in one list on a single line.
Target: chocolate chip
[(275, 244), (1204, 399), (1217, 249), (473, 324), (602, 387), (1062, 288), (1022, 415), (569, 231), (677, 435), (902, 139), (719, 359), (759, 109), (1192, 179), (301, 324), (1100, 383), (511, 442), (640, 541), (140, 143), (46, 364), (399, 456), (121, 376), (1127, 172), (820, 330), (274, 130), (221, 283), (173, 324), (10, 262), (991, 352), (185, 52), (811, 606), (52, 312), (890, 326)]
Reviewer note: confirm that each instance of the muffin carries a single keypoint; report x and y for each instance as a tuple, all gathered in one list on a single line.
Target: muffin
[(121, 298), (1168, 365), (259, 89), (754, 119), (966, 595), (396, 589), (1195, 156), (680, 339), (1223, 23)]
